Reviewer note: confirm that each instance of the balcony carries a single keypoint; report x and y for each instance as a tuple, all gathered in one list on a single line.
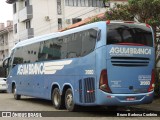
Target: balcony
[(26, 34), (26, 13)]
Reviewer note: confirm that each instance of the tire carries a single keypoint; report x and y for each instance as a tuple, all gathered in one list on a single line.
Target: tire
[(69, 102), (17, 97), (57, 99)]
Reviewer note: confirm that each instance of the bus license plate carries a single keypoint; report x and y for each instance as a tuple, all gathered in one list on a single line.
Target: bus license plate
[(130, 98)]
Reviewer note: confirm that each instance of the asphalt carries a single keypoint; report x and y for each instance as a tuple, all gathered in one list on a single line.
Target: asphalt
[(154, 106)]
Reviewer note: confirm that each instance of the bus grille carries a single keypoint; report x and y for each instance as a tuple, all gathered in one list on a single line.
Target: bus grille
[(80, 91), (88, 90), (129, 61)]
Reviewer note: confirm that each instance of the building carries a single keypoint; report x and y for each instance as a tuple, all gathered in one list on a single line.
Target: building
[(37, 17), (6, 39)]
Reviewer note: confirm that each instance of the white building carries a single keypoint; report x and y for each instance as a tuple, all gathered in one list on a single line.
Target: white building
[(37, 17), (6, 40)]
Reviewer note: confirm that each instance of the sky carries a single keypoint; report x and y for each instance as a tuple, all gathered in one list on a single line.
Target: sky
[(6, 11)]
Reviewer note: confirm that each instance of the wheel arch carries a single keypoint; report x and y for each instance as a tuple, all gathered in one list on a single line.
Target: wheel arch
[(54, 85), (65, 87)]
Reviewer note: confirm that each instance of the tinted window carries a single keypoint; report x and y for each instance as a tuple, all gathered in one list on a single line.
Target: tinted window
[(30, 53), (69, 46), (52, 49), (88, 41), (74, 45), (18, 58), (129, 33)]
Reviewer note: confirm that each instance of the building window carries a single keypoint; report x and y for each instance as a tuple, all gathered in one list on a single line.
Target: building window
[(15, 28), (82, 3), (75, 20), (59, 23), (59, 7), (14, 8), (75, 3), (28, 24), (2, 40), (71, 2), (26, 2), (6, 39), (79, 3), (85, 3), (66, 2), (94, 3)]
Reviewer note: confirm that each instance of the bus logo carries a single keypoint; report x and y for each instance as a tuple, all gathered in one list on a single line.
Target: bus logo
[(42, 68), (130, 51)]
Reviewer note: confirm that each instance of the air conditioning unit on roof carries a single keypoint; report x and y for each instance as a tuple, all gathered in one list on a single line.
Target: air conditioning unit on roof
[(47, 18)]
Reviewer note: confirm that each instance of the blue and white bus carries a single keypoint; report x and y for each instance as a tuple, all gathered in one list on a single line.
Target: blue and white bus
[(102, 63)]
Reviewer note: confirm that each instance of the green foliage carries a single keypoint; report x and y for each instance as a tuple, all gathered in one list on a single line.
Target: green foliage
[(143, 10), (120, 12), (146, 10)]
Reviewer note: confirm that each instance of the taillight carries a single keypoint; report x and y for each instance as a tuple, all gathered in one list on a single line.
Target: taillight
[(108, 21), (152, 85), (103, 85), (147, 25)]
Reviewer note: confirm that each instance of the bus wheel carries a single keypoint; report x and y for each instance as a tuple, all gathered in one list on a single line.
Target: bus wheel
[(56, 99), (69, 102), (17, 97)]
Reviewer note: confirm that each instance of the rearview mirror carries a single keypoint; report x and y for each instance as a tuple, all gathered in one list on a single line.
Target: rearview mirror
[(98, 35), (6, 62)]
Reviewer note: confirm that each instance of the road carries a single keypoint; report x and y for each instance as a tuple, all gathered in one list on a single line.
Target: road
[(44, 108)]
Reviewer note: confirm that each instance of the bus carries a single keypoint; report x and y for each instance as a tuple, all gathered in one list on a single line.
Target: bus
[(106, 63)]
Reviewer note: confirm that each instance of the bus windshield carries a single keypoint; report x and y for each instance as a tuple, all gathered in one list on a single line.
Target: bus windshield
[(129, 34)]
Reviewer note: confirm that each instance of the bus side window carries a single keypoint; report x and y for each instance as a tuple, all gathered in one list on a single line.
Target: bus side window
[(18, 57), (88, 41), (74, 45), (63, 47)]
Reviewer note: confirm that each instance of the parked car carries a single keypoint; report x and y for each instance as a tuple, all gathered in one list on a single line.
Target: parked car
[(3, 85)]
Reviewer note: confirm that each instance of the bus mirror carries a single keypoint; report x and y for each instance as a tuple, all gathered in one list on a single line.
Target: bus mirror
[(98, 35), (5, 62)]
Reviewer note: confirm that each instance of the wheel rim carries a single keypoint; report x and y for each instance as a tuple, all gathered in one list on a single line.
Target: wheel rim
[(69, 100), (56, 99)]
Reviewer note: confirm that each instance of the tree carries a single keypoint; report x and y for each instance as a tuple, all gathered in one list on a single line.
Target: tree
[(143, 10), (146, 10), (120, 12)]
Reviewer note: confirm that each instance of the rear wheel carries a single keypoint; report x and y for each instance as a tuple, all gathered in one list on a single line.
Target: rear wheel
[(17, 97), (57, 99), (69, 102)]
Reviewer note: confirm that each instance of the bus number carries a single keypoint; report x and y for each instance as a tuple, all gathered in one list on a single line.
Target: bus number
[(89, 72), (144, 82)]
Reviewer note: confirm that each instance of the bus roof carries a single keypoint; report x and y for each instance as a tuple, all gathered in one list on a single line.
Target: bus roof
[(54, 35), (73, 30)]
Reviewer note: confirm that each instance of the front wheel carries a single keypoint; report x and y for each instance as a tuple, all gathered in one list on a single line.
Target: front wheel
[(17, 97), (69, 102)]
